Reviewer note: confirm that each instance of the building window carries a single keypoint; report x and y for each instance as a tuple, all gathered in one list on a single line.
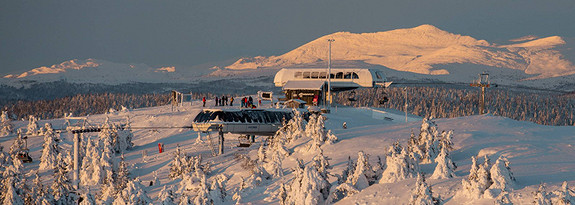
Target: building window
[(297, 75), (339, 75), (347, 75), (322, 75), (306, 75), (315, 75), (355, 76)]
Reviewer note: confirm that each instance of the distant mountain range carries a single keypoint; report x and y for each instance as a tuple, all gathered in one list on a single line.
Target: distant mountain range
[(414, 54)]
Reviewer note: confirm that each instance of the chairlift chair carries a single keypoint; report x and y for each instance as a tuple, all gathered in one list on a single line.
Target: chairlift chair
[(244, 141), (24, 156), (384, 99), (351, 97)]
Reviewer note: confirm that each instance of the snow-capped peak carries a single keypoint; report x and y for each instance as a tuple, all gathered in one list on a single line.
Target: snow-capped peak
[(74, 64)]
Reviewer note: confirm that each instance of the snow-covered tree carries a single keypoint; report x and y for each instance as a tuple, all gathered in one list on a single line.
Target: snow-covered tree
[(10, 194), (429, 140), (282, 194), (363, 175), (563, 195), (399, 166), (478, 181), (88, 198), (134, 193), (541, 197), (177, 164), (261, 153), (346, 172), (341, 191), (122, 174), (108, 195), (422, 194), (62, 186), (445, 167), (18, 144), (503, 198), (123, 138), (501, 175), (276, 165), (331, 138), (39, 194), (6, 126), (309, 187), (89, 163), (166, 196), (218, 189), (50, 150), (32, 128)]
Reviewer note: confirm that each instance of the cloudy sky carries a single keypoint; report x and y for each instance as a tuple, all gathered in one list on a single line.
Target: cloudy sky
[(192, 32)]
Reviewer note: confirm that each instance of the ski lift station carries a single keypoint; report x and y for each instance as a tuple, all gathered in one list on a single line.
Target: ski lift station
[(246, 121), (310, 84)]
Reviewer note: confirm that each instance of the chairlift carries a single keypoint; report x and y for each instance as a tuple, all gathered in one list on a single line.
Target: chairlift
[(384, 99), (245, 141), (24, 156), (351, 97)]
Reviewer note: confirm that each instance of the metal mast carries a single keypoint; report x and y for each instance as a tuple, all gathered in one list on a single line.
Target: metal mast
[(329, 72), (482, 82)]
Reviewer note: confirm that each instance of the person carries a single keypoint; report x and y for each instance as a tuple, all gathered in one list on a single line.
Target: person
[(242, 102), (344, 125), (204, 101), (232, 101), (251, 101), (217, 100)]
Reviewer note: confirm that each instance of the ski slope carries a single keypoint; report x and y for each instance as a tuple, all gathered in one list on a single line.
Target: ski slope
[(538, 154)]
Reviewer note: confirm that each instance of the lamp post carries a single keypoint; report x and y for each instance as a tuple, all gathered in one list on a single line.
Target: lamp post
[(329, 72)]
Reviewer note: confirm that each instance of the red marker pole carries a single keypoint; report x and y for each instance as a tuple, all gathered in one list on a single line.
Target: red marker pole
[(160, 147)]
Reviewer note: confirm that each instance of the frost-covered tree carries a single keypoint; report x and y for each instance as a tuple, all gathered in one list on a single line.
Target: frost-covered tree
[(422, 194), (62, 185), (10, 193), (104, 166), (295, 127), (282, 194), (218, 189), (363, 175), (413, 146), (563, 195), (276, 165), (346, 172), (399, 166), (177, 164), (6, 126), (50, 150), (122, 174), (309, 187), (134, 193), (429, 140), (541, 197), (341, 191), (478, 181), (166, 196), (445, 166), (108, 195), (89, 163), (261, 153), (39, 194), (503, 199), (88, 198), (32, 128), (331, 138), (18, 144), (501, 175), (123, 138)]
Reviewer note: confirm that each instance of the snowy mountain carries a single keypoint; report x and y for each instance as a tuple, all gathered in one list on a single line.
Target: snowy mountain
[(427, 52), (98, 72), (261, 174)]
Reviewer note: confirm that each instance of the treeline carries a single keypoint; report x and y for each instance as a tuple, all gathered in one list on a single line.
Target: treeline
[(441, 102), (83, 104)]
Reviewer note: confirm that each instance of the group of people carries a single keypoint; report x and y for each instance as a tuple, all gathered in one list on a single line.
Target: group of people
[(223, 101), (247, 102)]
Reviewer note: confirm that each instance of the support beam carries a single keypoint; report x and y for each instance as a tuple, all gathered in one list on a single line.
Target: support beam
[(76, 172)]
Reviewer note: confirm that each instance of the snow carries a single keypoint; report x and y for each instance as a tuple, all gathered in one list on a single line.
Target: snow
[(537, 154)]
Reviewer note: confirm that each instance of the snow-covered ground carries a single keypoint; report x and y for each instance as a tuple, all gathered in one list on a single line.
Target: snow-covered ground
[(537, 153)]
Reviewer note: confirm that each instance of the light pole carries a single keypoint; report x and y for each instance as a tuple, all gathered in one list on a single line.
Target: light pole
[(329, 72)]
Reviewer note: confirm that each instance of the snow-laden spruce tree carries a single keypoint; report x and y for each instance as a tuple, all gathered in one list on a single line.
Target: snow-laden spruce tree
[(104, 166), (321, 162), (501, 175), (295, 127), (6, 126), (422, 194), (414, 148), (478, 181), (331, 138), (122, 174), (32, 128), (62, 185), (177, 164), (218, 189), (347, 172), (308, 188), (445, 166), (399, 166), (50, 150), (108, 194), (261, 153), (40, 194), (89, 163), (275, 165), (429, 140), (123, 139), (10, 194), (503, 198), (166, 196), (134, 193), (18, 144), (447, 140), (540, 197), (88, 198), (363, 175), (563, 195)]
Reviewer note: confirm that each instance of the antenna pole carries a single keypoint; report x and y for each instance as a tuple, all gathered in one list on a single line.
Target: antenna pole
[(329, 72)]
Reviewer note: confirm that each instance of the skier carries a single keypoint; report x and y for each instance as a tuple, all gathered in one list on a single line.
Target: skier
[(344, 125), (232, 101), (204, 101), (217, 100)]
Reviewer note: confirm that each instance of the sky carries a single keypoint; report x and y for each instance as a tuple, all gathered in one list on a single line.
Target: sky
[(192, 32)]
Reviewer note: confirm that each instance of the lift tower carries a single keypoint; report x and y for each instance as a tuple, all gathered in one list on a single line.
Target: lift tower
[(483, 83)]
